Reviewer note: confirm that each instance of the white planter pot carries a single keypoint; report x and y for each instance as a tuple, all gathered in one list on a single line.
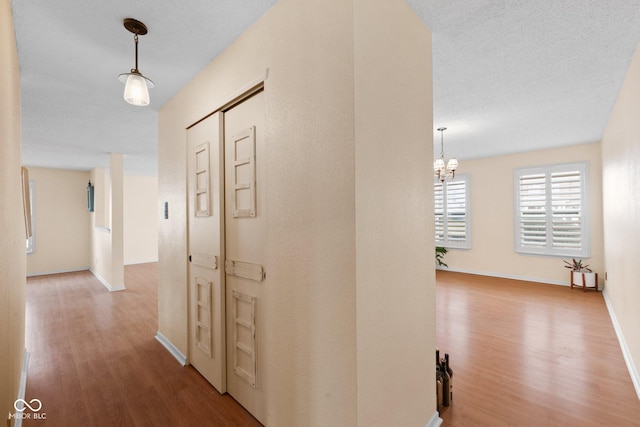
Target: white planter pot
[(589, 278)]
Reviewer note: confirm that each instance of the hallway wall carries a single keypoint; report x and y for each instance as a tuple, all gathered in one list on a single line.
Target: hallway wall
[(61, 221), (322, 132), (107, 224), (141, 216), (13, 261), (621, 181), (395, 282)]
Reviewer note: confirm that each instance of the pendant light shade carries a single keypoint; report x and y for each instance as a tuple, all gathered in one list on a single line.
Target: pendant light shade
[(136, 89)]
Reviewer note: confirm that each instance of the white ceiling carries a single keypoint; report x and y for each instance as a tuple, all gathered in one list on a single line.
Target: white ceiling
[(508, 76)]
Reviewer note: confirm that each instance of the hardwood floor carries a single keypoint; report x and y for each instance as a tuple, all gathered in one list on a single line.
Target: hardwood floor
[(94, 360), (523, 354), (530, 354)]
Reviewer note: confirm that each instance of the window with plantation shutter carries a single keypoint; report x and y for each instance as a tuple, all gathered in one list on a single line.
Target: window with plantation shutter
[(30, 242), (451, 200), (552, 210)]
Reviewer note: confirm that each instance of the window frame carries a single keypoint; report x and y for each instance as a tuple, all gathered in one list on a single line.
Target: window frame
[(585, 231), (466, 244), (31, 241)]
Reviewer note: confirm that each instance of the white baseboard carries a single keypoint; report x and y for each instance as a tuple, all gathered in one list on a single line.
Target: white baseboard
[(435, 420), (635, 378), (105, 283), (506, 276), (151, 261), (45, 273), (181, 358), (22, 389)]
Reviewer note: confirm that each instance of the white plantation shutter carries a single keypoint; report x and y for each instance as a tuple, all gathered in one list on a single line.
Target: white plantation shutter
[(439, 211), (451, 201), (566, 210), (456, 211), (533, 210), (30, 242), (551, 210)]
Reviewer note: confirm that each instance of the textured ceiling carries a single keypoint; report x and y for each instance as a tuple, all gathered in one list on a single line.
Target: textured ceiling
[(71, 52), (512, 76), (509, 75)]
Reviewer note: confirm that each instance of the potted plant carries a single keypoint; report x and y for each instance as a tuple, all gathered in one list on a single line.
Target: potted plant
[(440, 253), (583, 270)]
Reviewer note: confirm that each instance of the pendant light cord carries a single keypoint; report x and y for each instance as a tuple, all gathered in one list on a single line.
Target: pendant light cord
[(135, 39)]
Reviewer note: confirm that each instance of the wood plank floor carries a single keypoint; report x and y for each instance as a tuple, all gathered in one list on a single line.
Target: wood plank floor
[(523, 354), (94, 360), (530, 354)]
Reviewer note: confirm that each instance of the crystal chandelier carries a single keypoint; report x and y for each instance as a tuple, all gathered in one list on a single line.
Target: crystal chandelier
[(439, 164)]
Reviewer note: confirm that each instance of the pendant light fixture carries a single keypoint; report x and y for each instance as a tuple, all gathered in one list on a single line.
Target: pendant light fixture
[(136, 89), (439, 165)]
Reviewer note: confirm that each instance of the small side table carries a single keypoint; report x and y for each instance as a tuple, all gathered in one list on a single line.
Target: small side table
[(584, 282)]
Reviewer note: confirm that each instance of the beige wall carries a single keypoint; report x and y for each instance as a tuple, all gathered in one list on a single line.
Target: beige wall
[(621, 185), (12, 243), (99, 226), (116, 173), (102, 197), (492, 215), (395, 283), (308, 48), (107, 224), (61, 221), (140, 219)]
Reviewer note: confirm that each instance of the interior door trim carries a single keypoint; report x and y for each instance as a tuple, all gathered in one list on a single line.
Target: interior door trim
[(251, 87)]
